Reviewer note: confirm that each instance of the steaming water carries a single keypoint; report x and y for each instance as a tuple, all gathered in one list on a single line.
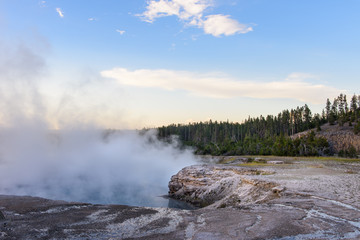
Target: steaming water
[(123, 167), (75, 165)]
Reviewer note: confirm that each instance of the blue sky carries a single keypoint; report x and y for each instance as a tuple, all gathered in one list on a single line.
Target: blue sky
[(138, 63)]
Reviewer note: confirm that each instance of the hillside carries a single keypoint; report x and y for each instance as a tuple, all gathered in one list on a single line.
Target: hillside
[(340, 138)]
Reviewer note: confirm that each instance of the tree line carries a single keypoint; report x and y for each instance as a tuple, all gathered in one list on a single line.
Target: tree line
[(268, 135)]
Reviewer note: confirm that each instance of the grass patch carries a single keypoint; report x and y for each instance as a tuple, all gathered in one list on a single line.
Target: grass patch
[(227, 160), (337, 159), (267, 173), (251, 164), (316, 166), (289, 158)]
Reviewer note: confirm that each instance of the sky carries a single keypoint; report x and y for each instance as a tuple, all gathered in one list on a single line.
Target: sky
[(147, 63)]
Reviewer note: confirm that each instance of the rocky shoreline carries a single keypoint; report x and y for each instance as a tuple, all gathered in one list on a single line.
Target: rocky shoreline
[(298, 199)]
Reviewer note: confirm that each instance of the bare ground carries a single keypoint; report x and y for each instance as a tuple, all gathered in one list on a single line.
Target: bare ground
[(310, 199)]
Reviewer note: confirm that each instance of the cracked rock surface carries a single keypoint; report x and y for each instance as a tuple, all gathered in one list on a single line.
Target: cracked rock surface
[(297, 200)]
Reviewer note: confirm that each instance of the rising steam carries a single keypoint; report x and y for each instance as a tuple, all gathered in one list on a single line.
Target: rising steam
[(88, 165), (74, 163)]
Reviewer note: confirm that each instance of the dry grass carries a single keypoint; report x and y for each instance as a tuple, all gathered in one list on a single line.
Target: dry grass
[(287, 158)]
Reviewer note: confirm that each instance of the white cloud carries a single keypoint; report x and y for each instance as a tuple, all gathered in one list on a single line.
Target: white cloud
[(60, 12), (120, 31), (191, 12), (42, 3), (92, 19), (223, 25), (184, 9), (299, 76), (219, 86)]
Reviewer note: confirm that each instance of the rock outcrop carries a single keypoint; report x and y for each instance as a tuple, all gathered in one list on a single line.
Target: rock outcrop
[(218, 186)]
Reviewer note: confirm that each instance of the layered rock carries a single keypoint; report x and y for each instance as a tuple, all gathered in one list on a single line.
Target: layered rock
[(219, 186)]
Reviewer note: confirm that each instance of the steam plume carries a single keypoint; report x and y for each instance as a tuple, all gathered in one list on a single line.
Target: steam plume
[(74, 163), (86, 165)]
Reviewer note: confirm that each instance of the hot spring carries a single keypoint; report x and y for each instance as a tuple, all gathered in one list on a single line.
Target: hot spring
[(94, 166)]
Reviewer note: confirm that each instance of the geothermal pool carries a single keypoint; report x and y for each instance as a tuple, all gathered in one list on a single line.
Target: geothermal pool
[(119, 167)]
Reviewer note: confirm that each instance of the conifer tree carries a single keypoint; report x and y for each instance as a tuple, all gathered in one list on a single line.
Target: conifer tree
[(341, 110), (353, 108), (328, 109), (307, 117)]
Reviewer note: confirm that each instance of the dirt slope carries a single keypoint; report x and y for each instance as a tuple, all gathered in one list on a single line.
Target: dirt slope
[(340, 138)]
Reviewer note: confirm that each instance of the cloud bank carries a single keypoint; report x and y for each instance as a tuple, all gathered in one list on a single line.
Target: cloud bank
[(192, 13), (294, 86)]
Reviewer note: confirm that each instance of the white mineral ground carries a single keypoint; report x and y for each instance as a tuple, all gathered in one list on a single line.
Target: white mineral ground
[(299, 199)]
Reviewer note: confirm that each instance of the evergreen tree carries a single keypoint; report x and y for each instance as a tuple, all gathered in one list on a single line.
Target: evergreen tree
[(353, 108), (333, 112), (307, 117), (317, 121), (357, 127), (341, 110), (328, 109)]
